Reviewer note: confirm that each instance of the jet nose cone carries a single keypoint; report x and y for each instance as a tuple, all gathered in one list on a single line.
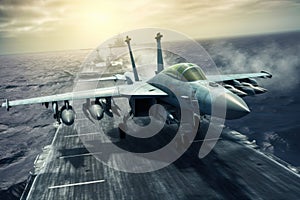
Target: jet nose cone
[(236, 107)]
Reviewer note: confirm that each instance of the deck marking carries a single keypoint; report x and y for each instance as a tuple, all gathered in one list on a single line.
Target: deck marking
[(83, 134), (76, 184), (211, 139), (78, 155)]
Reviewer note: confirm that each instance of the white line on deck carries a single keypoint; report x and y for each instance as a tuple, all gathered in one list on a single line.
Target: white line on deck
[(78, 155), (81, 119), (84, 134), (75, 184), (211, 139)]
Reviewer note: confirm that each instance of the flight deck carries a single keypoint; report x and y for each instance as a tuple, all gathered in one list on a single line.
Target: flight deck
[(70, 168), (234, 169)]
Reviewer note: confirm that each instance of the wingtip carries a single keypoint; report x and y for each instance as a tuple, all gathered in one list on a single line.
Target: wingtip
[(269, 75), (5, 104)]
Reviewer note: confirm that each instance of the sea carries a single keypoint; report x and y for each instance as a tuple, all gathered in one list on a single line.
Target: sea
[(274, 122)]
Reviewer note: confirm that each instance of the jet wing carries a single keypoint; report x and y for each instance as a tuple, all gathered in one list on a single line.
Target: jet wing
[(140, 89), (228, 77)]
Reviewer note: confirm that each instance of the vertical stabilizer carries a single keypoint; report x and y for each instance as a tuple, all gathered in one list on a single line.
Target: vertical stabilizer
[(160, 62), (136, 76)]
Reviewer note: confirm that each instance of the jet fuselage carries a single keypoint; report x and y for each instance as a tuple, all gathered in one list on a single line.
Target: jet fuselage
[(212, 98)]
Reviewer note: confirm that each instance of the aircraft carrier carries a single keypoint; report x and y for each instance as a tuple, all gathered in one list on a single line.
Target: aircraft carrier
[(234, 169)]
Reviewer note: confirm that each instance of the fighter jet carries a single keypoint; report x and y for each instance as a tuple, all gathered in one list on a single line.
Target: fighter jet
[(187, 80)]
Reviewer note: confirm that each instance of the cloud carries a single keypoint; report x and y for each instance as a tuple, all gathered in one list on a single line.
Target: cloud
[(277, 56), (74, 19), (25, 13), (156, 13), (18, 2), (24, 17)]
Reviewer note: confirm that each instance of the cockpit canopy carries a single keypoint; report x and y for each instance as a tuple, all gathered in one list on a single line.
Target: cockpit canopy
[(185, 72)]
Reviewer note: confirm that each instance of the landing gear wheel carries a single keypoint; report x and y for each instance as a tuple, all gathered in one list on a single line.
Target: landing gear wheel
[(122, 128)]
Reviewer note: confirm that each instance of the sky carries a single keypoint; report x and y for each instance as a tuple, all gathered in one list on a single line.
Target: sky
[(49, 25)]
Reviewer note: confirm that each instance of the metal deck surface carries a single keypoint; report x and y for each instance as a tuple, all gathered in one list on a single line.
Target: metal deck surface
[(230, 171)]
